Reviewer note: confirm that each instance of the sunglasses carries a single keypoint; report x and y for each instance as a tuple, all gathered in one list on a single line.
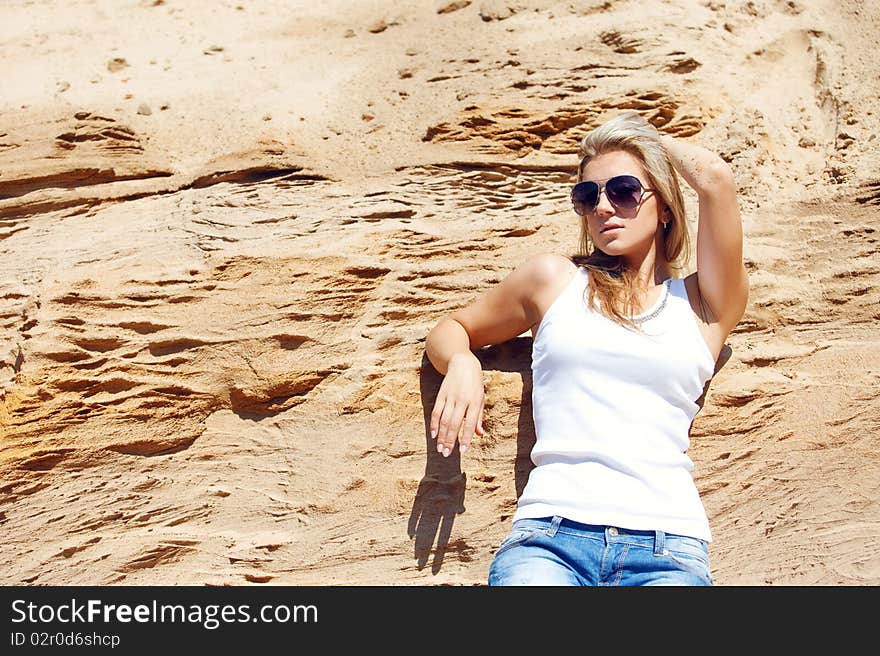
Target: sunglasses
[(624, 192)]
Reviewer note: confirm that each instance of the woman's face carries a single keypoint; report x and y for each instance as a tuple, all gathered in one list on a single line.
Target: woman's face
[(624, 232)]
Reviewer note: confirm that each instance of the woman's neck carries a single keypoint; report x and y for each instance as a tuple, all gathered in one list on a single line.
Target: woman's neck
[(651, 270)]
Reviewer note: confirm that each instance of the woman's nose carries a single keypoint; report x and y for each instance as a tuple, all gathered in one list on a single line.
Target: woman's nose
[(603, 205)]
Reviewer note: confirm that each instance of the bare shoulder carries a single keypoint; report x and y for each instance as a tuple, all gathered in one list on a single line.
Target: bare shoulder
[(548, 275), (549, 268)]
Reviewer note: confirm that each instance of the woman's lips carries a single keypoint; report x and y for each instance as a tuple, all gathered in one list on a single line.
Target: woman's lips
[(611, 228)]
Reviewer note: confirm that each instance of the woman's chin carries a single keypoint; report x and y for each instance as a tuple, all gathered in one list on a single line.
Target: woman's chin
[(613, 248)]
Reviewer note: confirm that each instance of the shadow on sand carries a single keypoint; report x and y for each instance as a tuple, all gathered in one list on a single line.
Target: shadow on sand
[(441, 492)]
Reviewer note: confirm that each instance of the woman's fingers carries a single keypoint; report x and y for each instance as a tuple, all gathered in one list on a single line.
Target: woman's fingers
[(461, 420), (441, 414), (441, 419), (450, 425), (435, 416), (452, 420), (458, 410), (470, 425)]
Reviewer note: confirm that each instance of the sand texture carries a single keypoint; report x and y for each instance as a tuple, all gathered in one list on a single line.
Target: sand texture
[(226, 229)]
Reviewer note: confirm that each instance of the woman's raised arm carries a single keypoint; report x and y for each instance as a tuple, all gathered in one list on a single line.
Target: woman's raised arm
[(721, 276)]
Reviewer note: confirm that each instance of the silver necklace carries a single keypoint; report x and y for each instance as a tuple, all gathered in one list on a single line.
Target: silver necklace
[(659, 308)]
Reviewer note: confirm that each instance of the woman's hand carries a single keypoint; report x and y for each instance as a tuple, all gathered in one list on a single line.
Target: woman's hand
[(458, 410)]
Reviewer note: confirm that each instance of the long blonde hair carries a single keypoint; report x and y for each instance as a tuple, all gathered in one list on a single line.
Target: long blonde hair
[(610, 281)]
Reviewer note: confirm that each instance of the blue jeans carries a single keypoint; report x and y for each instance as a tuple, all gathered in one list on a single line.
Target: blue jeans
[(557, 551)]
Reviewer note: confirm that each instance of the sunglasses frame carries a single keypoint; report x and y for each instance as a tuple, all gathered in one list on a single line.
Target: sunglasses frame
[(602, 188)]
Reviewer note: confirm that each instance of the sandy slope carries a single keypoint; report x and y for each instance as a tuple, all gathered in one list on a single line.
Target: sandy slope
[(226, 229)]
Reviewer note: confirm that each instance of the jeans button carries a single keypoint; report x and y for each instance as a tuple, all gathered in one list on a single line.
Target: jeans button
[(612, 531)]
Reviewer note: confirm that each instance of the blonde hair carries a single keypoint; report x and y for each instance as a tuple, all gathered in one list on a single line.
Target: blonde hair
[(610, 281)]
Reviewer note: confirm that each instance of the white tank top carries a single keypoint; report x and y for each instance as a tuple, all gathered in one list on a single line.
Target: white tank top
[(613, 410)]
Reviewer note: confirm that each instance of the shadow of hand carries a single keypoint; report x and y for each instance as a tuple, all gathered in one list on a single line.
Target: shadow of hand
[(440, 496), (438, 500), (441, 492)]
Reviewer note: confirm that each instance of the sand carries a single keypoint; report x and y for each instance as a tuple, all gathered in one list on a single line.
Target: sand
[(226, 229)]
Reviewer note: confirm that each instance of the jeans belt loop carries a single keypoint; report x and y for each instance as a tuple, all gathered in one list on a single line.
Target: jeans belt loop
[(659, 543), (554, 525)]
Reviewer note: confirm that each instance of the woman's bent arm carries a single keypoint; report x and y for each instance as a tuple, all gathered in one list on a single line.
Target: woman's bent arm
[(503, 312), (721, 275), (446, 340)]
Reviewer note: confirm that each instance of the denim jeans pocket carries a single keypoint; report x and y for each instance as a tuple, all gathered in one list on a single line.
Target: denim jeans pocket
[(521, 532), (691, 558)]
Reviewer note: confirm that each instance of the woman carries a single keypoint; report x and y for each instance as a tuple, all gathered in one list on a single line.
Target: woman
[(622, 350)]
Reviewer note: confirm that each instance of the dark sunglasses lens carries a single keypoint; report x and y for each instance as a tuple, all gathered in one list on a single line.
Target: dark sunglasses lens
[(584, 197), (624, 191)]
